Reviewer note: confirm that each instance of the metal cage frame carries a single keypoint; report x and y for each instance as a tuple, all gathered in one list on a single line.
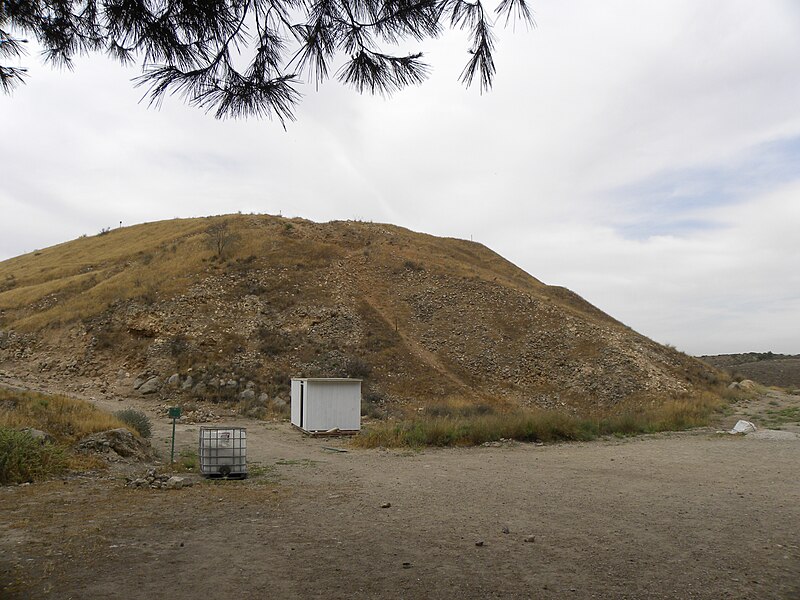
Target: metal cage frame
[(222, 451)]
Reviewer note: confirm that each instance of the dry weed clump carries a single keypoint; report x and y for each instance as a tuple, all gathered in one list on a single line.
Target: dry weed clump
[(461, 427), (136, 420), (25, 458)]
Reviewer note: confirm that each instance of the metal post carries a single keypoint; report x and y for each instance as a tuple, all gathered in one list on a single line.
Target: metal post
[(175, 413), (172, 451)]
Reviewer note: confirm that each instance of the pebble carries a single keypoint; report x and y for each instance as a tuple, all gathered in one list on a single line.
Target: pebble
[(386, 505), (530, 538), (479, 543)]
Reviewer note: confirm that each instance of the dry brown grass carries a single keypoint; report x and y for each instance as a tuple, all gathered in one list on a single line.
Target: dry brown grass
[(453, 425), (66, 419)]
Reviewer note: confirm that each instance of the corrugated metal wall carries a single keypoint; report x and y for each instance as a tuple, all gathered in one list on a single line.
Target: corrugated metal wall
[(327, 404)]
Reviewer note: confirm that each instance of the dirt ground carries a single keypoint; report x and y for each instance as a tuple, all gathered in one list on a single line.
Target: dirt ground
[(684, 515)]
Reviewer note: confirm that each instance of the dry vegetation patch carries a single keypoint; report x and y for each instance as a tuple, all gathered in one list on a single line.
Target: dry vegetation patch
[(479, 424), (26, 455)]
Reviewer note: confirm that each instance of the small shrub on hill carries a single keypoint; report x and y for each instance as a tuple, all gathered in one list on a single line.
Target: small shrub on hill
[(271, 342), (357, 367), (137, 420)]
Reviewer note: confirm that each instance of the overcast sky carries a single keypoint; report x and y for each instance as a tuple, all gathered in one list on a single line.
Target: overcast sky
[(644, 154)]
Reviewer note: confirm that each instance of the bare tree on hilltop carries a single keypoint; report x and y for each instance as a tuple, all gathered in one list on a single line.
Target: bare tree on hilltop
[(247, 57), (220, 238)]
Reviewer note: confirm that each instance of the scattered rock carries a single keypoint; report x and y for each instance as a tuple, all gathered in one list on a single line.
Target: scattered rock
[(479, 543), (278, 402), (406, 565), (505, 530), (174, 380), (158, 481), (530, 538), (187, 383), (386, 505), (247, 395)]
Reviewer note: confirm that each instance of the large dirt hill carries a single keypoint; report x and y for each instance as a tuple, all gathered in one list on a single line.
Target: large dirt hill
[(420, 318), (765, 367)]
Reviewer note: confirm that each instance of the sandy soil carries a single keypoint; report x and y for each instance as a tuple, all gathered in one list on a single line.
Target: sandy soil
[(689, 515)]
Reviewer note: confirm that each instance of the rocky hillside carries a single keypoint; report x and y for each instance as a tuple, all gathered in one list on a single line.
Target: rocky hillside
[(768, 368), (232, 307)]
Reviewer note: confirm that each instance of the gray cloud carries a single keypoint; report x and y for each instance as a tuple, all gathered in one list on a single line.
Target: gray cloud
[(643, 154)]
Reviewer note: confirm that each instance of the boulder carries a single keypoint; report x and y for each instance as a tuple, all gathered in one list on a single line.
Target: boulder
[(187, 383), (247, 395), (175, 482), (120, 441), (38, 434), (278, 402), (151, 386), (174, 380), (743, 427)]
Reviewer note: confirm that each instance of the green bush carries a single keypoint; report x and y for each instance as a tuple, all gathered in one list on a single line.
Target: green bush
[(24, 458), (136, 419)]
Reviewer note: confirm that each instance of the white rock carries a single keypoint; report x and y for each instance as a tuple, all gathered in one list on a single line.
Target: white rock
[(743, 427)]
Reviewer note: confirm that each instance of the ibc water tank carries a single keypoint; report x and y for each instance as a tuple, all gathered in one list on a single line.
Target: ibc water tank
[(223, 451)]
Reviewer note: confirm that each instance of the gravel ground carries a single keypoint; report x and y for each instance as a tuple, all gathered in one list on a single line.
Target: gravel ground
[(685, 515)]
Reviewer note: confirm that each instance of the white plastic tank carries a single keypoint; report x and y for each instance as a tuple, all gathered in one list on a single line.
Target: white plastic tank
[(223, 451)]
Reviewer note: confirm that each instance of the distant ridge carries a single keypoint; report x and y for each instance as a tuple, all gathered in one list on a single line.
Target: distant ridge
[(765, 367)]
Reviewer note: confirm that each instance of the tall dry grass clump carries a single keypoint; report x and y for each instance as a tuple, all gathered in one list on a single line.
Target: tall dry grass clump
[(25, 458), (470, 428)]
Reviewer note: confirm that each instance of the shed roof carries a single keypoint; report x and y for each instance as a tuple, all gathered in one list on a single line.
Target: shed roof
[(340, 379)]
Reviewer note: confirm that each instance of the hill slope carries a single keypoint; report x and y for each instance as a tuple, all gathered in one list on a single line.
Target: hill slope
[(421, 318)]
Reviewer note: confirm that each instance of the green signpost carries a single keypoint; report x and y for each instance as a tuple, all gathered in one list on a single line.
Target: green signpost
[(175, 413)]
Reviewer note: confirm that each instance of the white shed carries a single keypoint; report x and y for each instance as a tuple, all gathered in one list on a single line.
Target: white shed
[(322, 404)]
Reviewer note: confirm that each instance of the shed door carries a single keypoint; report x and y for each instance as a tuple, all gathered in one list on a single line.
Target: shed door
[(302, 404)]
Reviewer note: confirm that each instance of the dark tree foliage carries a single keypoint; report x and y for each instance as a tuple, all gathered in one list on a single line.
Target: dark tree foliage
[(248, 57)]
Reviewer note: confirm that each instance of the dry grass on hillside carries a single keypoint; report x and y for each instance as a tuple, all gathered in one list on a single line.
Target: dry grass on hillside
[(66, 419)]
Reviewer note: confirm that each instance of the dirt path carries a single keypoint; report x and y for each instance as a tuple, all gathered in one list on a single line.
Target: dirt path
[(691, 515)]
